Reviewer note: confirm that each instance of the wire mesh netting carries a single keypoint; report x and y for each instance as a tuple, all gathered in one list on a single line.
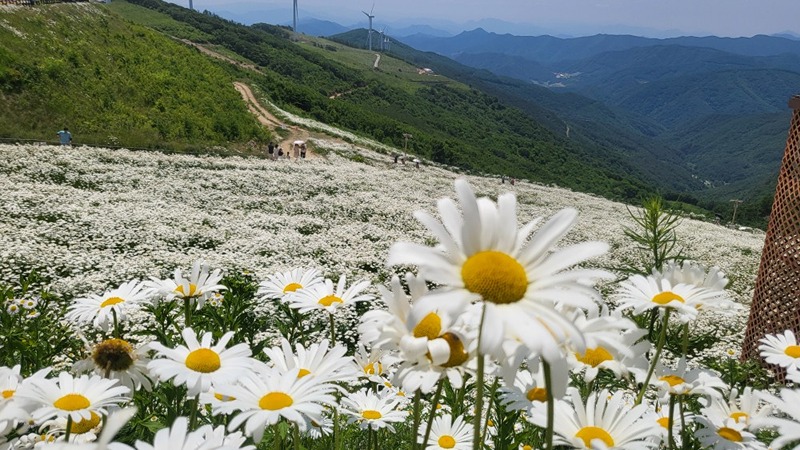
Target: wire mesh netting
[(776, 299)]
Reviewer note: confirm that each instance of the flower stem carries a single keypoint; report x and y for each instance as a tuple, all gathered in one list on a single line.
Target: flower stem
[(296, 436), (551, 407), (116, 322), (670, 441), (432, 415), (659, 346), (415, 428), (685, 339), (335, 429), (489, 410), (69, 428), (187, 312), (476, 423), (193, 412), (333, 329)]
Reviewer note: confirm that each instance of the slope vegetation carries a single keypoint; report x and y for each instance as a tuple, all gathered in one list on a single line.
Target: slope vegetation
[(112, 82)]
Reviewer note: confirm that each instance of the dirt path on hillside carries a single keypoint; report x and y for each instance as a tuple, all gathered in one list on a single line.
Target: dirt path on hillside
[(291, 133), (269, 120)]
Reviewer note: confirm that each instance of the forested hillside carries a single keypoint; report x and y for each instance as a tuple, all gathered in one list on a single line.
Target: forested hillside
[(112, 83)]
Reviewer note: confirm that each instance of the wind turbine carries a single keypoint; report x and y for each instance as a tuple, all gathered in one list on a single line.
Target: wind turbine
[(294, 23), (370, 16), (190, 5), (383, 38)]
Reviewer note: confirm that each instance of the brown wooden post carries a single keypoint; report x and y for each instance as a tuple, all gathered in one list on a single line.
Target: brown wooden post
[(776, 299)]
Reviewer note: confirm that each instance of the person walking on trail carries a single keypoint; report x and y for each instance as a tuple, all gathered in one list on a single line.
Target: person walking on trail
[(65, 137), (271, 150)]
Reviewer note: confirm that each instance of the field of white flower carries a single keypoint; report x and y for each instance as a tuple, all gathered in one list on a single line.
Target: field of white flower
[(88, 220)]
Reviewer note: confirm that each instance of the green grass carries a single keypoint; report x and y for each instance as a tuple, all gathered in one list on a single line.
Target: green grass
[(113, 82)]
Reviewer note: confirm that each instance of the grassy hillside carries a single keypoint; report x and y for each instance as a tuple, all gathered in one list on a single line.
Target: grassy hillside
[(451, 123), (112, 82)]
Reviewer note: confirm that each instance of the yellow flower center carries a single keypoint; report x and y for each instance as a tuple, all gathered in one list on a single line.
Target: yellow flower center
[(458, 355), (113, 354), (72, 402), (328, 300), (446, 441), (192, 290), (588, 434), (291, 287), (527, 447), (537, 395), (203, 360), (672, 380), (111, 301), (369, 369), (85, 425), (594, 356), (371, 414), (497, 277), (663, 421), (275, 401), (430, 326), (303, 372), (739, 416), (730, 434), (792, 351), (665, 297), (8, 393), (223, 398)]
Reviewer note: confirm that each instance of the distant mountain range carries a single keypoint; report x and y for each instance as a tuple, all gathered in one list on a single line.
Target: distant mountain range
[(718, 104)]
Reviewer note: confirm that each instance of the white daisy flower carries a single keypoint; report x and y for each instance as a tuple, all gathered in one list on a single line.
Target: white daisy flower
[(113, 423), (372, 410), (198, 287), (447, 433), (660, 421), (13, 307), (283, 284), (606, 421), (325, 297), (118, 359), (179, 437), (690, 272), (317, 360), (726, 434), (264, 397), (386, 328), (316, 430), (10, 380), (788, 428), (612, 342), (483, 257), (29, 303), (642, 294), (70, 396), (372, 364), (742, 408), (529, 386), (100, 310), (199, 365), (684, 381), (222, 404), (781, 349)]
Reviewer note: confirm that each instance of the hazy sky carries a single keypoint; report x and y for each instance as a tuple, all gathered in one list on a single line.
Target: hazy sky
[(695, 17)]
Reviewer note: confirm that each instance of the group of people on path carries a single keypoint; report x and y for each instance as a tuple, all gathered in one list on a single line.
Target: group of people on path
[(402, 159), (275, 151)]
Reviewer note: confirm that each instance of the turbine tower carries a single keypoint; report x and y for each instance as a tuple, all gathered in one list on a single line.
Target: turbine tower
[(190, 5), (370, 16), (383, 38), (294, 22)]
